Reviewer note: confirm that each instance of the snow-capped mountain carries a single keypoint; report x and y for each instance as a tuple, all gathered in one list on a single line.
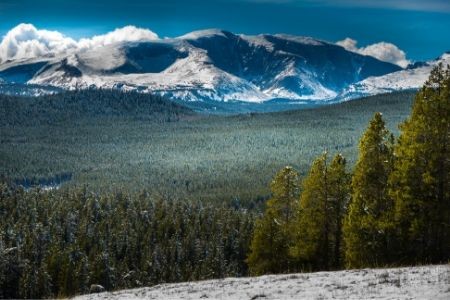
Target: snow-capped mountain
[(207, 65), (410, 78)]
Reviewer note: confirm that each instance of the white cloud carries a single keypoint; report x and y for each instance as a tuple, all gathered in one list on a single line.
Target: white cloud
[(349, 44), (26, 41), (125, 34), (383, 51)]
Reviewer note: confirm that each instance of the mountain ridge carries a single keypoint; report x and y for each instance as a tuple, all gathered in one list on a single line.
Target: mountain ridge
[(407, 79), (207, 65)]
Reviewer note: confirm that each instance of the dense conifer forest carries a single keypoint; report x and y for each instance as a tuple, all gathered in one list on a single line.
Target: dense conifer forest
[(90, 140), (55, 244), (384, 203), (71, 106)]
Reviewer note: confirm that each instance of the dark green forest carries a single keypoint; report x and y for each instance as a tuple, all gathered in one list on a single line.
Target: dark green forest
[(60, 108), (184, 196), (221, 159), (56, 244)]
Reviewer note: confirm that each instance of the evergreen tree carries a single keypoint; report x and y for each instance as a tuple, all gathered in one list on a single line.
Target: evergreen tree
[(272, 233), (420, 183), (339, 191), (319, 220), (367, 227)]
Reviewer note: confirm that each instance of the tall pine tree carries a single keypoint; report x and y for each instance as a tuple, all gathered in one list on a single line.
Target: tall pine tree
[(367, 227), (339, 190), (272, 233), (319, 222), (420, 182)]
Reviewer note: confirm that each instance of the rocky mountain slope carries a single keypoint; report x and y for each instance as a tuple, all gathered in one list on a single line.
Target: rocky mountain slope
[(207, 65), (410, 78)]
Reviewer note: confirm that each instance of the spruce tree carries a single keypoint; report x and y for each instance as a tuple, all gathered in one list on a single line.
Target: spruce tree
[(272, 233), (367, 226), (319, 219), (420, 182), (339, 191)]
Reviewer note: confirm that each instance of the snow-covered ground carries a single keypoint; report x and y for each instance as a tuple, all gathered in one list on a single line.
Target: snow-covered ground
[(426, 282)]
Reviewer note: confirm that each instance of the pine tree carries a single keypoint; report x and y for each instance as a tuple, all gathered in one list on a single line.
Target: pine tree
[(319, 220), (272, 233), (367, 226), (420, 183), (339, 191)]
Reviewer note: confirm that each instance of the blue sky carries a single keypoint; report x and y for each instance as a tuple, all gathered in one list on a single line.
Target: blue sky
[(419, 27)]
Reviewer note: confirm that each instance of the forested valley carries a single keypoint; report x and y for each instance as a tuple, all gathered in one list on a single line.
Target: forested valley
[(384, 203)]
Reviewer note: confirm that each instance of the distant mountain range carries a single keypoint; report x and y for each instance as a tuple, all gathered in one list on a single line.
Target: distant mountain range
[(221, 66)]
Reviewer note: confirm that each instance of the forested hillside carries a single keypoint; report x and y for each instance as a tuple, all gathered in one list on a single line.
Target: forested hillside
[(84, 104), (106, 145)]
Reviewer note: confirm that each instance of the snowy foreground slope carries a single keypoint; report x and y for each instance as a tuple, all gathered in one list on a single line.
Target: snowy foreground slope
[(427, 282)]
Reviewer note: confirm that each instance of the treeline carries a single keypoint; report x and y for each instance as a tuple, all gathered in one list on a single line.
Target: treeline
[(393, 209), (55, 244), (82, 104)]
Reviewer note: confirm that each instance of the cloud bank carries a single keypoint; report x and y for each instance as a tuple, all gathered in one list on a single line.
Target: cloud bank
[(125, 34), (26, 41), (383, 51)]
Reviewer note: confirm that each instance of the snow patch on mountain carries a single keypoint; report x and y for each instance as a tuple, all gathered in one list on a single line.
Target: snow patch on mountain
[(191, 78)]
